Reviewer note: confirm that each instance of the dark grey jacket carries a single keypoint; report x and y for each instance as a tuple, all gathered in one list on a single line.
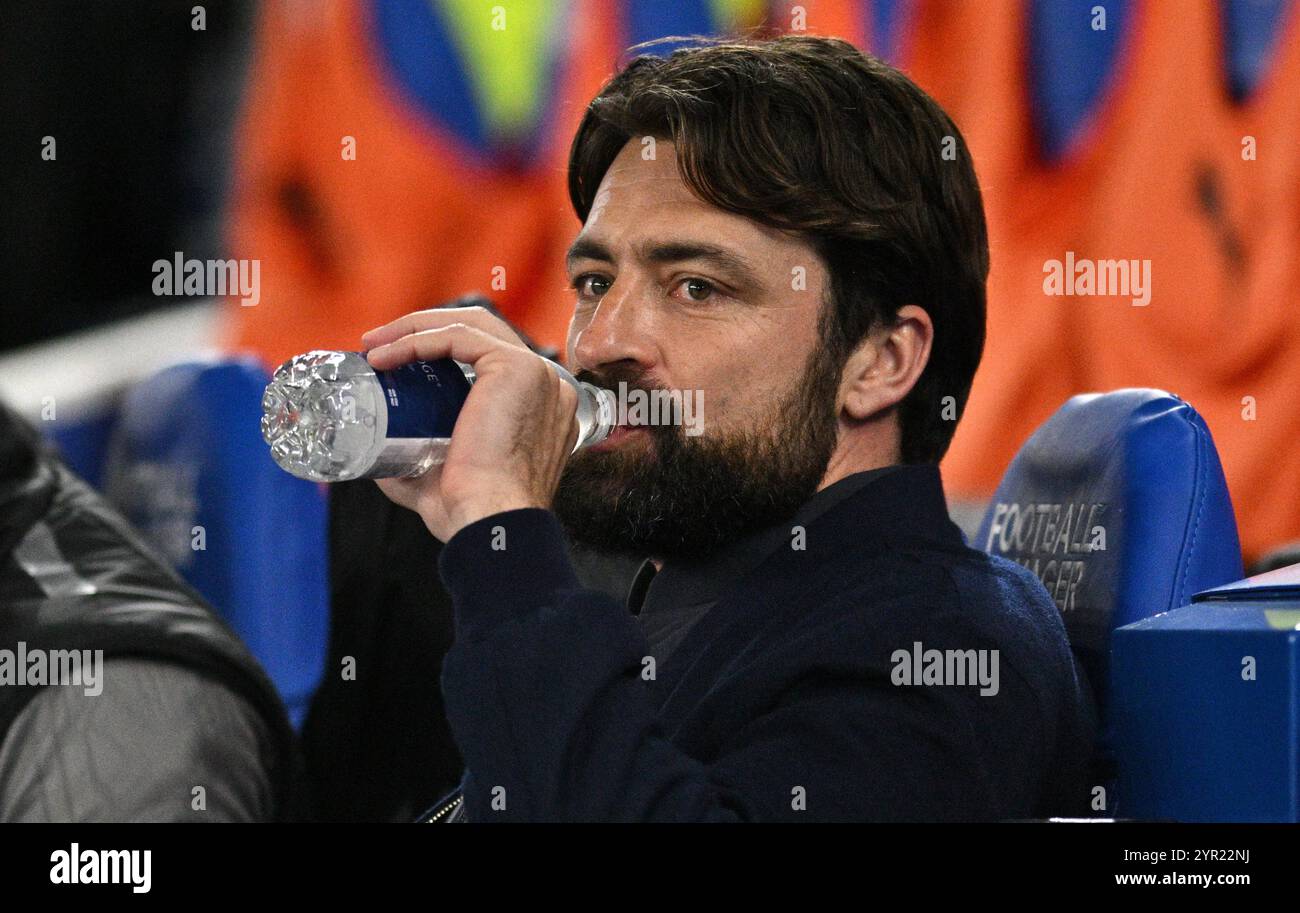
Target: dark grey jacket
[(122, 696)]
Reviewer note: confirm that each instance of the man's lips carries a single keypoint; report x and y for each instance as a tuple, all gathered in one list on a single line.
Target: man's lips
[(620, 434)]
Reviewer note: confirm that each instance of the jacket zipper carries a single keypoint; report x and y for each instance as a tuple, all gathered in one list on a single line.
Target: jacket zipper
[(446, 810)]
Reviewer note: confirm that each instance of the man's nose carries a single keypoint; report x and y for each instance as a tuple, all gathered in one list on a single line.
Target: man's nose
[(615, 333)]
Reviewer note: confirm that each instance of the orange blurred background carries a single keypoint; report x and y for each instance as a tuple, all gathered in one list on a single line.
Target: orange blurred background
[(393, 155)]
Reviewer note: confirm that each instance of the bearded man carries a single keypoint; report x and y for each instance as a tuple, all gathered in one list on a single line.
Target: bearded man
[(790, 231)]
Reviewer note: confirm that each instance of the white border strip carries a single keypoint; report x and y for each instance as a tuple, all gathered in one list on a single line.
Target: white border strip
[(84, 371)]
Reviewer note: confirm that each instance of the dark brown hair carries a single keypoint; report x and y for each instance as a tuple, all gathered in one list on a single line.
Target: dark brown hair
[(813, 136)]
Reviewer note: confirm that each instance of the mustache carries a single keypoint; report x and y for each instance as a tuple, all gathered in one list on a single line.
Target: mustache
[(633, 378)]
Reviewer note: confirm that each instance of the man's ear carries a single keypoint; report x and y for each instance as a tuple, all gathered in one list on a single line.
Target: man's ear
[(887, 364)]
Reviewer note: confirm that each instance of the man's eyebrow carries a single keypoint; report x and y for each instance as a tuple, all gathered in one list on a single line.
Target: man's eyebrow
[(672, 252), (726, 260), (588, 249)]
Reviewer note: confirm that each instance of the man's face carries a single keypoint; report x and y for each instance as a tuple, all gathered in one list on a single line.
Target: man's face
[(675, 294)]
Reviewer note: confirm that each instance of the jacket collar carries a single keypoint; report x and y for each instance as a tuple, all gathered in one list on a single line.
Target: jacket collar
[(910, 505)]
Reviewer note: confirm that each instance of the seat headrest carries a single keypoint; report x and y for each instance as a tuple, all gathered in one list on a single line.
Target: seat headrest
[(188, 467), (1119, 505)]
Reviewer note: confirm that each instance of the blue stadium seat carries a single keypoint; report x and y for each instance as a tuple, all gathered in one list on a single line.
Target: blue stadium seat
[(1119, 505), (82, 442), (187, 466), (1208, 729)]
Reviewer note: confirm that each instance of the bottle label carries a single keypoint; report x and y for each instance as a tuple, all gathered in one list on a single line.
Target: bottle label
[(423, 398)]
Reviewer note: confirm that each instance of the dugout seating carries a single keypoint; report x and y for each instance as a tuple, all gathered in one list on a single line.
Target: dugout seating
[(1119, 505)]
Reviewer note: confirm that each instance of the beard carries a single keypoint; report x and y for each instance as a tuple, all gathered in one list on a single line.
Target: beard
[(684, 497)]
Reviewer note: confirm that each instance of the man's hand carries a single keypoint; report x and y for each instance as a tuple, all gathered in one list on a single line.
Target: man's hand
[(513, 435)]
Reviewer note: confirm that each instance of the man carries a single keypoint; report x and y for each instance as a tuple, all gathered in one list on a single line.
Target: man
[(122, 696), (793, 231)]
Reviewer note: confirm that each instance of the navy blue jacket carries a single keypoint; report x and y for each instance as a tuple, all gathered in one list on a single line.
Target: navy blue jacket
[(790, 700)]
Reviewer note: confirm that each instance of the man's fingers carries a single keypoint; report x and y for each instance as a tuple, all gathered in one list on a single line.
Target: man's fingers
[(470, 315), (457, 340)]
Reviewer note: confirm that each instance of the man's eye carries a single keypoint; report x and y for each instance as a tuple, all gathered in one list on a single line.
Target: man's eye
[(591, 285), (698, 289)]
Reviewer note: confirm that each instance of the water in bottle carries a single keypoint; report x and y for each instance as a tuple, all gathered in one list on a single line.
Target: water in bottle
[(329, 416)]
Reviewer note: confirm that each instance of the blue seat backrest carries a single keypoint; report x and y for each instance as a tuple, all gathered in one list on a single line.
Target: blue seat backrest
[(82, 441), (188, 467), (1119, 505)]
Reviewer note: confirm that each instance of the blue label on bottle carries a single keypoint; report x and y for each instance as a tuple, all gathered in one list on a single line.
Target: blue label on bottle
[(423, 398)]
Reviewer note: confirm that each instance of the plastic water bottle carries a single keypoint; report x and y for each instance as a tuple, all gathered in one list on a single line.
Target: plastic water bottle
[(331, 417)]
